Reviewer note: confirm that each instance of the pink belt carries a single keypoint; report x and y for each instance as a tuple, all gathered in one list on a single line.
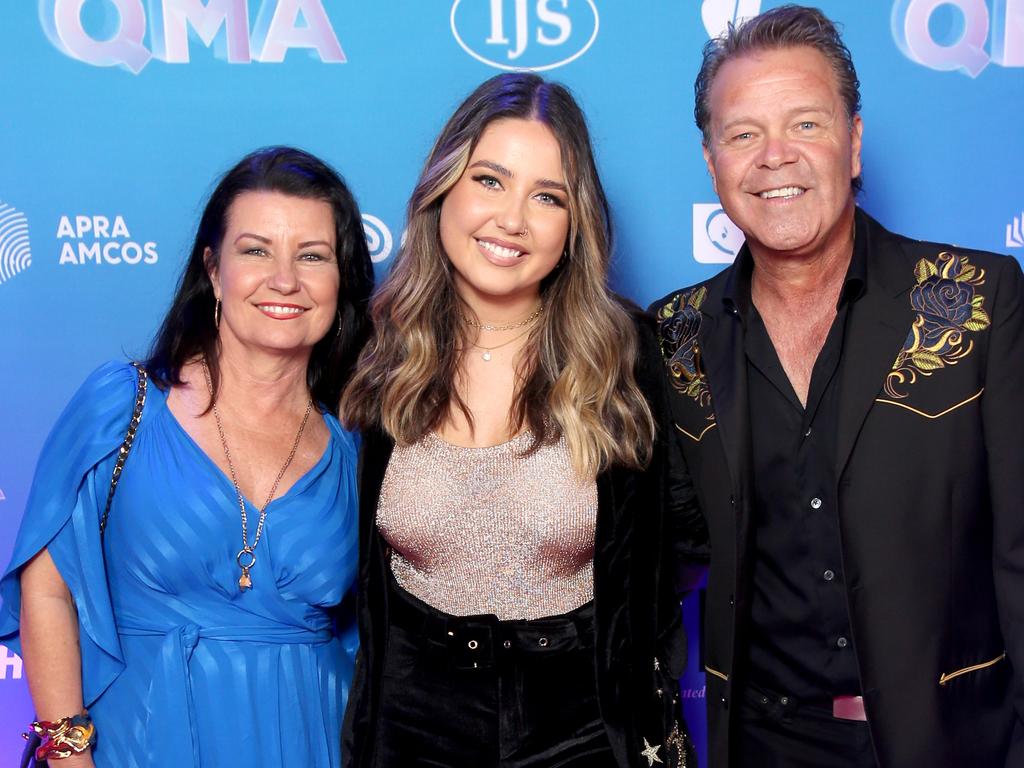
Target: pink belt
[(849, 708)]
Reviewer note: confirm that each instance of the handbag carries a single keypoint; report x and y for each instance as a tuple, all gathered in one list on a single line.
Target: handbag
[(28, 757)]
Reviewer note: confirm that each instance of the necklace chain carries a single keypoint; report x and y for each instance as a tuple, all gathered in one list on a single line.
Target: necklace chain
[(486, 354), (508, 327), (246, 557)]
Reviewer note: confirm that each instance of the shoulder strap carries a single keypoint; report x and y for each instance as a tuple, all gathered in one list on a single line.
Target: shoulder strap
[(126, 446)]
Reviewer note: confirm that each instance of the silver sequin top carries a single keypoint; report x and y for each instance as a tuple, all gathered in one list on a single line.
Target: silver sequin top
[(488, 530)]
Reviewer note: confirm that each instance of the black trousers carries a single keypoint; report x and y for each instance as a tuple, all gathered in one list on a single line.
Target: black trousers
[(773, 734), (475, 692)]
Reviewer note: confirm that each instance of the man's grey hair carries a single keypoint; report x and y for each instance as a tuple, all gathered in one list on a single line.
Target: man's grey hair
[(788, 26)]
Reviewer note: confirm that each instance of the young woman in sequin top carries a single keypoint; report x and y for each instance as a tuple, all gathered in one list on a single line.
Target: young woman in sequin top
[(517, 605)]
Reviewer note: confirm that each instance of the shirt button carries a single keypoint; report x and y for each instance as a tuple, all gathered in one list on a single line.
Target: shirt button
[(808, 432), (842, 642), (829, 575), (815, 503)]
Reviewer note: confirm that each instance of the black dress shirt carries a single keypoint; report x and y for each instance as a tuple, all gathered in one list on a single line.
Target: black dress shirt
[(800, 643)]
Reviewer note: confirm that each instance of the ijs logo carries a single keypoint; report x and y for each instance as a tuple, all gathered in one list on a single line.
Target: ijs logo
[(15, 250), (717, 15), (716, 240), (378, 238), (525, 34), (107, 33), (101, 240), (950, 35), (1015, 232)]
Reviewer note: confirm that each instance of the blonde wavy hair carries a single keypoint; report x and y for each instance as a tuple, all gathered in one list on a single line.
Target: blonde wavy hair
[(576, 371)]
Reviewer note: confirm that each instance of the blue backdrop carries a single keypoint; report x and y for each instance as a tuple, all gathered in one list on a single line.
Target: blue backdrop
[(118, 114)]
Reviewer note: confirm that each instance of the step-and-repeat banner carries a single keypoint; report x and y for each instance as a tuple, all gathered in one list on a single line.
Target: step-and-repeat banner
[(117, 115)]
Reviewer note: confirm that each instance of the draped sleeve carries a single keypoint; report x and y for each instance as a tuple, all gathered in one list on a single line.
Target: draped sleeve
[(69, 492)]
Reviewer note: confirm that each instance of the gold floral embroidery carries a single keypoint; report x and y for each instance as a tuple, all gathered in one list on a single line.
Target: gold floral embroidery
[(948, 307), (678, 325)]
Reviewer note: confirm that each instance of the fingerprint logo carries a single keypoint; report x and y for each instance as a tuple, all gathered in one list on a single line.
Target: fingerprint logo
[(15, 253), (378, 238)]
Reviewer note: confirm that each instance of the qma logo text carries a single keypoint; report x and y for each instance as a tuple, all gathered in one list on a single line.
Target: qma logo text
[(950, 35), (113, 32)]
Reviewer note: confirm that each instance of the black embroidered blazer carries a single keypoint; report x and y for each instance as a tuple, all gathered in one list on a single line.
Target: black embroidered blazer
[(930, 469)]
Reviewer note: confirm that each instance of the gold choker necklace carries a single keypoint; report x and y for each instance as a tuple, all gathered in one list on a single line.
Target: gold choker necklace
[(510, 326)]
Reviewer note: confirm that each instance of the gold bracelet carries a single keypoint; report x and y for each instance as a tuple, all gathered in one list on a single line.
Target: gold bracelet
[(65, 737)]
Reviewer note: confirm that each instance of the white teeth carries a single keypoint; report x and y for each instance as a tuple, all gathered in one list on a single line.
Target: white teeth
[(782, 192), (500, 251), (275, 309)]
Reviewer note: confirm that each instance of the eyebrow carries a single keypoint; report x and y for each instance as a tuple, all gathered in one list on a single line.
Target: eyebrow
[(268, 241), (503, 171), (801, 110)]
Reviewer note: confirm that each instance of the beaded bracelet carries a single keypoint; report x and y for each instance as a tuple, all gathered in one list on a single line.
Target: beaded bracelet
[(65, 737)]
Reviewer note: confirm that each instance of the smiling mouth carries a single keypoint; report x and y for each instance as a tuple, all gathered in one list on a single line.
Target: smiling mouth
[(281, 311), (784, 192), (500, 251)]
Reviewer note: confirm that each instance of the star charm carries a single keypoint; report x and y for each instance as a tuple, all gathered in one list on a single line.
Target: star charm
[(651, 753)]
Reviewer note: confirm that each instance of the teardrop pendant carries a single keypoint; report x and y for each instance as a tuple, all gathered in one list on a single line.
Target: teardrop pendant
[(486, 355)]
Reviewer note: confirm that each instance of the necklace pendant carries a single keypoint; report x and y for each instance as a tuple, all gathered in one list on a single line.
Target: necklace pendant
[(486, 356), (244, 581)]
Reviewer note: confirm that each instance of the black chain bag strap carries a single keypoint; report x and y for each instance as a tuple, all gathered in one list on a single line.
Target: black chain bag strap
[(28, 757), (129, 438)]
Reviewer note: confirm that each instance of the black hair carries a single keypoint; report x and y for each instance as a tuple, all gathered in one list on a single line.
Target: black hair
[(189, 330)]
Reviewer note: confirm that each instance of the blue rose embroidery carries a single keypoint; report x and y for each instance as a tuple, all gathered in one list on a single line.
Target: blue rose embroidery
[(948, 307)]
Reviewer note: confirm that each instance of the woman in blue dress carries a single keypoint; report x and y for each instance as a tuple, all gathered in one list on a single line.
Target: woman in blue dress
[(200, 627)]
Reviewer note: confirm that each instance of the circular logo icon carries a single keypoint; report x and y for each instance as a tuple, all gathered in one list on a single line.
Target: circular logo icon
[(378, 238), (15, 252), (723, 234), (525, 34)]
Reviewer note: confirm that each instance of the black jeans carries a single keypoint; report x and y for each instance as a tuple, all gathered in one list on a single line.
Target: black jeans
[(475, 692), (772, 734)]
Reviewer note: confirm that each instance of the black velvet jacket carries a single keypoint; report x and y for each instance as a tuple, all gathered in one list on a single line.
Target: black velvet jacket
[(643, 523)]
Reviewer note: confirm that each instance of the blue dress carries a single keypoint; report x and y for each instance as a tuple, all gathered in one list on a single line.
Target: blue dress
[(180, 668)]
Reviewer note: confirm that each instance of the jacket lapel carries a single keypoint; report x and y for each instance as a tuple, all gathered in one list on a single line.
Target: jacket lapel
[(724, 361), (877, 327)]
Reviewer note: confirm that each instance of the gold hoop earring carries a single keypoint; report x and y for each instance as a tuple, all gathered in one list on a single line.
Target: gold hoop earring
[(216, 314)]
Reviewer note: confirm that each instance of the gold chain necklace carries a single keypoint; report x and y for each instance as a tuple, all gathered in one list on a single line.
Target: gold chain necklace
[(486, 354), (510, 326), (246, 557)]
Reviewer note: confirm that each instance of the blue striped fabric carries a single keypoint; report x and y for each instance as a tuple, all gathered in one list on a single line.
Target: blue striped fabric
[(179, 667)]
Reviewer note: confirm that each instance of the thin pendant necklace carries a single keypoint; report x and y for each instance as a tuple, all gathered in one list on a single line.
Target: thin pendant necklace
[(246, 557), (486, 354), (508, 326)]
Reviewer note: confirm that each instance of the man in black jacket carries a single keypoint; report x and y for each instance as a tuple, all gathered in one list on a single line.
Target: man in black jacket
[(849, 404)]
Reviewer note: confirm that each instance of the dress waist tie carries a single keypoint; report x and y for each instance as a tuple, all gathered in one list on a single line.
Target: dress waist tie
[(175, 740)]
